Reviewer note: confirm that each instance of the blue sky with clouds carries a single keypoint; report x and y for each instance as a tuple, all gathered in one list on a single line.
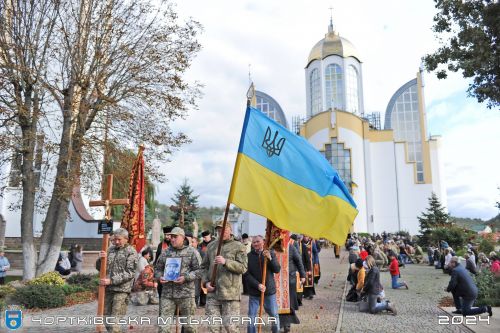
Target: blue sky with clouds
[(275, 37)]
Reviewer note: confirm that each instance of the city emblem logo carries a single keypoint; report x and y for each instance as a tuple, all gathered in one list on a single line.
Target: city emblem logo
[(13, 319), (271, 146)]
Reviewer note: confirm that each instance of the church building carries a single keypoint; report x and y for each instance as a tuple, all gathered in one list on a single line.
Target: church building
[(391, 171)]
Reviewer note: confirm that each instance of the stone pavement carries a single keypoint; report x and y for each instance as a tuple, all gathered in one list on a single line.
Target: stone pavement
[(417, 307)]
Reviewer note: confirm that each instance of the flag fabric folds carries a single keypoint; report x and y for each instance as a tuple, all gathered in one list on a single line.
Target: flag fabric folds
[(133, 216), (280, 176)]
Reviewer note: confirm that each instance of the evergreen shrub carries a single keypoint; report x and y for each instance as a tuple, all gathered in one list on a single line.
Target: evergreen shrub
[(40, 296)]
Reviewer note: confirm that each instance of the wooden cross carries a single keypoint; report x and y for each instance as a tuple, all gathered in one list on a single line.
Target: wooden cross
[(183, 209), (108, 202)]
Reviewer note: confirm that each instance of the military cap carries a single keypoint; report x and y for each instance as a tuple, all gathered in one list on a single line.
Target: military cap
[(177, 231)]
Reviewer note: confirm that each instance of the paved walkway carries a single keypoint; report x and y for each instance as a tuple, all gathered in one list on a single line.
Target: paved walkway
[(417, 307)]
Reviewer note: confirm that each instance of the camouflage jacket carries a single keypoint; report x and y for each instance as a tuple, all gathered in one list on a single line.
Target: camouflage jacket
[(190, 269), (228, 281), (121, 266)]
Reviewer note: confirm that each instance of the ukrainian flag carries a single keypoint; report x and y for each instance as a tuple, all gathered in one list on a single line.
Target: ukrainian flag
[(280, 176)]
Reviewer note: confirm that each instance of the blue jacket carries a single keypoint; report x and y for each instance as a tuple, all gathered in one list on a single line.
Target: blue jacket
[(461, 283), (4, 264)]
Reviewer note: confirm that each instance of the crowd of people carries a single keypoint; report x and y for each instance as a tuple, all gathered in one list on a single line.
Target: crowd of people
[(181, 277), (368, 256)]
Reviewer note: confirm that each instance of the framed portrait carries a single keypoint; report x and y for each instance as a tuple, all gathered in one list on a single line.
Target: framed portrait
[(172, 269)]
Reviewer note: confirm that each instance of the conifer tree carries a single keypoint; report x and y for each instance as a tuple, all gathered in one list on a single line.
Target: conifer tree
[(435, 217), (190, 204)]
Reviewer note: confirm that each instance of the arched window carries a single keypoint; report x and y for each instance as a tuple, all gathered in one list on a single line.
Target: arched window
[(270, 107), (334, 87), (315, 87), (405, 121), (352, 89)]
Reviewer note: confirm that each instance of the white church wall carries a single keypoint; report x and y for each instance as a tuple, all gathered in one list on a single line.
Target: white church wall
[(77, 228), (252, 224), (437, 169), (319, 139), (369, 185), (384, 193), (12, 198), (354, 142), (413, 197)]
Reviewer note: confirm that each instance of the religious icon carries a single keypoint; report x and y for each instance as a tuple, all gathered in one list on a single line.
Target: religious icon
[(172, 269)]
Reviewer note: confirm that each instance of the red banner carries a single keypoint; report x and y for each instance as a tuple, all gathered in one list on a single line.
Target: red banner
[(133, 217)]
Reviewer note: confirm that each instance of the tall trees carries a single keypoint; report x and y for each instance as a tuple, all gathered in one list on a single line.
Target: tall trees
[(26, 29), (469, 32), (110, 69)]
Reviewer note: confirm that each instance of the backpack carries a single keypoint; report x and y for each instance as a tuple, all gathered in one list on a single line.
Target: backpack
[(352, 295)]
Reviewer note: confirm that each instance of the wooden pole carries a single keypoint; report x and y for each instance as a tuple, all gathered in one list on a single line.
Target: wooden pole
[(177, 319), (267, 245), (219, 245), (108, 202)]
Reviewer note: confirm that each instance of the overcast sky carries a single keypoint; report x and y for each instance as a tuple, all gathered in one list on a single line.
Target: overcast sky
[(275, 37)]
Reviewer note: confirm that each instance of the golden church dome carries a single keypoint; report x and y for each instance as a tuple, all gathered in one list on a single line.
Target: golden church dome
[(332, 44)]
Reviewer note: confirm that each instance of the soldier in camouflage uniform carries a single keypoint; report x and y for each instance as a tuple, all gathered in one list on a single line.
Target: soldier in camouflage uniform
[(121, 263), (180, 292), (223, 299)]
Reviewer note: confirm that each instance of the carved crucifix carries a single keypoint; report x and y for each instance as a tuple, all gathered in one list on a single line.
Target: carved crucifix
[(183, 208), (108, 202)]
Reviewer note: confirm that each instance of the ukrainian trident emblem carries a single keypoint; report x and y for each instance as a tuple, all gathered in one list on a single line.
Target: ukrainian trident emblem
[(271, 146)]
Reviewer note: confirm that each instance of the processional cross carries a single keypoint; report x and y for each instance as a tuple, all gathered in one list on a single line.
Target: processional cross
[(183, 208), (108, 202)]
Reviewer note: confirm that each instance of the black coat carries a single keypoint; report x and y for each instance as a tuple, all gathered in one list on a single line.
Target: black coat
[(158, 252), (306, 259), (295, 264), (253, 276), (372, 282)]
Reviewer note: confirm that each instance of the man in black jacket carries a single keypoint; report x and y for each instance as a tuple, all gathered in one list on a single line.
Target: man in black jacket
[(253, 278), (464, 290)]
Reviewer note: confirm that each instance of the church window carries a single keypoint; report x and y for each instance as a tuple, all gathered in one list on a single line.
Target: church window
[(334, 87), (340, 159), (352, 90), (315, 90), (270, 107), (405, 119)]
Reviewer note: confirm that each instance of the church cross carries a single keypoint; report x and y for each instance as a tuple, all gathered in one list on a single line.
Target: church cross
[(183, 209), (108, 202)]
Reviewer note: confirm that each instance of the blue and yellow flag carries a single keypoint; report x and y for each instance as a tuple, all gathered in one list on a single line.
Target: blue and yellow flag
[(280, 176)]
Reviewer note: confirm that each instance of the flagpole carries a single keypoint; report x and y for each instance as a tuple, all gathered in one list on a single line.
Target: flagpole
[(264, 271), (267, 245), (229, 199)]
